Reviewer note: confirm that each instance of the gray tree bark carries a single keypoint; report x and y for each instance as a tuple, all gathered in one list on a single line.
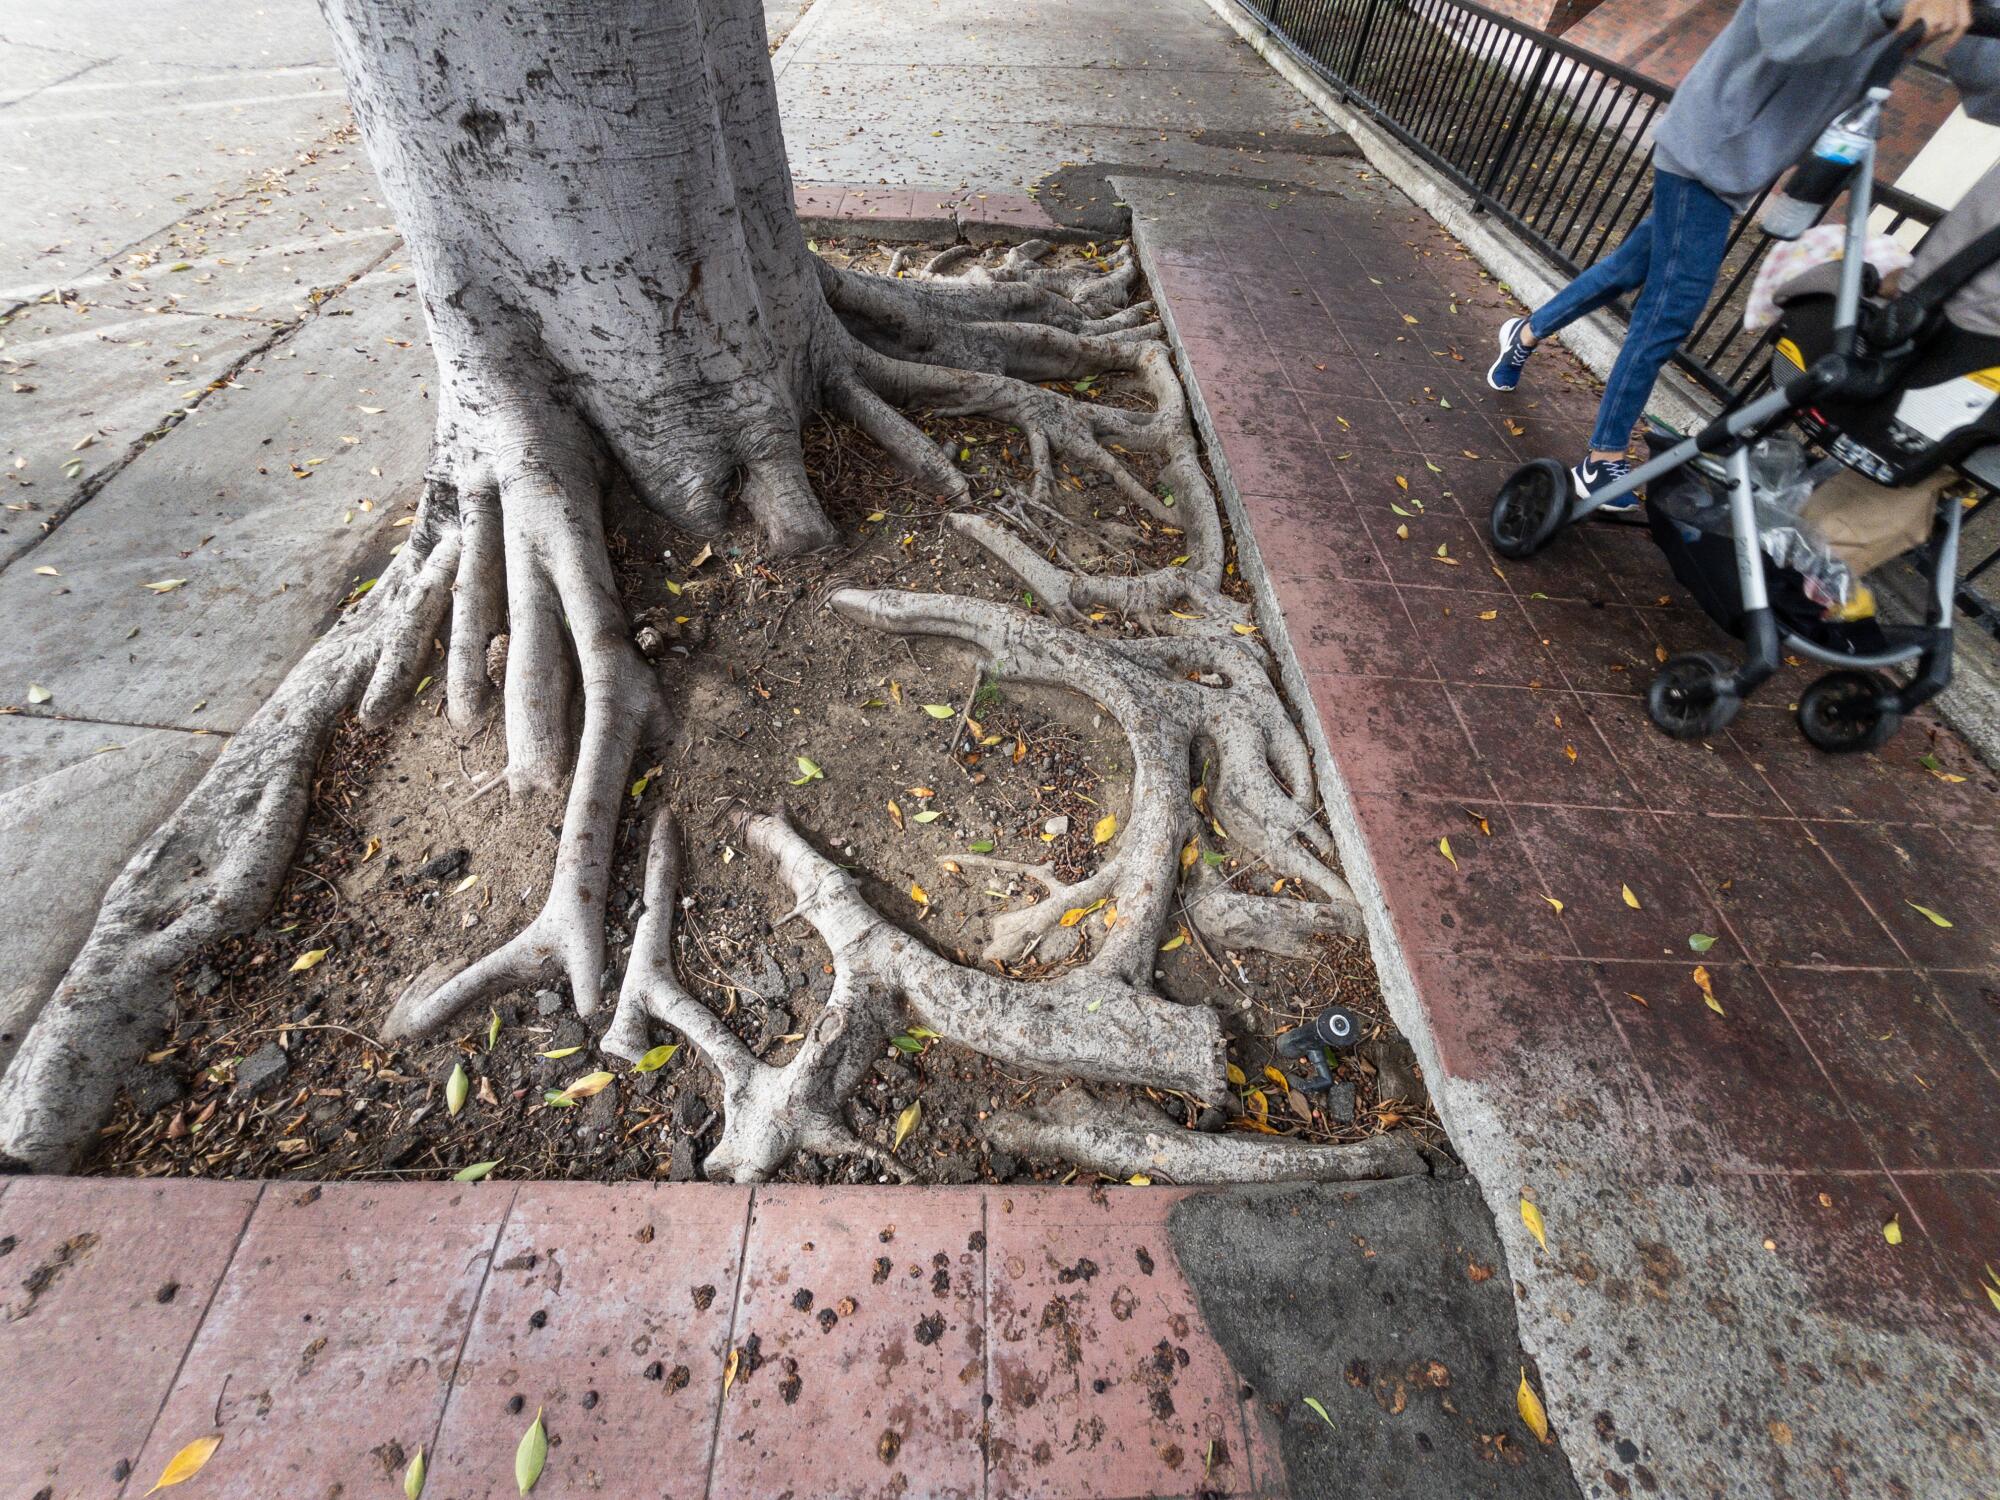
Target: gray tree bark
[(599, 215)]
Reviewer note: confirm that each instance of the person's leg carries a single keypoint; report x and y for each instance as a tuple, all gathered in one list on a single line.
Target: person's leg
[(1690, 232), (1598, 285)]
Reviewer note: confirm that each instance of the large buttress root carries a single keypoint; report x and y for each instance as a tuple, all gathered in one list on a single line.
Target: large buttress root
[(560, 555), (213, 867), (1135, 1140)]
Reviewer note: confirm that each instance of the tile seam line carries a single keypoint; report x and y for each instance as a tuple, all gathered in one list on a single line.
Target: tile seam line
[(146, 441), (471, 1321), (729, 1339), (200, 733), (194, 1334)]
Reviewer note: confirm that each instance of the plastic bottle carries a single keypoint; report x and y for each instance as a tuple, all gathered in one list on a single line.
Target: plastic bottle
[(1817, 181)]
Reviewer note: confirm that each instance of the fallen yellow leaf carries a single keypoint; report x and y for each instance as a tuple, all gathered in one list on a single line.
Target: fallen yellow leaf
[(306, 960), (1630, 899), (187, 1463), (907, 1122), (1106, 829), (1531, 1409), (1444, 848), (919, 895), (1532, 1217), (1553, 902), (1707, 989), (1893, 1230)]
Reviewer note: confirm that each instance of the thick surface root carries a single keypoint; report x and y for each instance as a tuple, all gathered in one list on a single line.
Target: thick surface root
[(213, 867), (1135, 1141), (1174, 699), (509, 542)]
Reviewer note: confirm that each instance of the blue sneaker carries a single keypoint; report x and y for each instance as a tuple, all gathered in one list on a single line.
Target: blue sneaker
[(1593, 475), (1506, 371)]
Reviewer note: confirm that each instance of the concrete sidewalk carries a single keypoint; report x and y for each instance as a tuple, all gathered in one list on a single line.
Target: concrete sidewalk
[(1679, 997), (723, 1341)]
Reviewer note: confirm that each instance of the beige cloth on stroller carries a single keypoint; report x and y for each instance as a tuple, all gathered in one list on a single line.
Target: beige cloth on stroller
[(1863, 524)]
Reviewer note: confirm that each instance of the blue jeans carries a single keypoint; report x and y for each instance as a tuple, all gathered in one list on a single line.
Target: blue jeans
[(1674, 253)]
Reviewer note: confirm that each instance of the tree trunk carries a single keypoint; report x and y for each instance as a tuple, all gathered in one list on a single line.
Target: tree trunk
[(598, 212), (599, 216)]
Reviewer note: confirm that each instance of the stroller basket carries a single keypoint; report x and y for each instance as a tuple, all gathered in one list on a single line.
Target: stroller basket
[(1687, 511)]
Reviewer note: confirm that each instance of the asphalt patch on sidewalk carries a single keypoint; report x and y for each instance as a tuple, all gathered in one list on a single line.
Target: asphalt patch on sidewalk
[(1081, 195), (1388, 1304)]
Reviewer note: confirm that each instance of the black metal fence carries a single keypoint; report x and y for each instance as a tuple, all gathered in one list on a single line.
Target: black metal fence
[(1554, 141)]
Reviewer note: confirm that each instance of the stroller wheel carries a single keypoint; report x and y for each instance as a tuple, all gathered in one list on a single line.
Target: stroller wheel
[(1530, 508), (1848, 711), (1693, 695)]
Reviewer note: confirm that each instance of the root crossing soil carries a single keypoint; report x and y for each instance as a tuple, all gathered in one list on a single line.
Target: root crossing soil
[(893, 756)]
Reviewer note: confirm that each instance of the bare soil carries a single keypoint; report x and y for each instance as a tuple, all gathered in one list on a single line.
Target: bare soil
[(414, 852)]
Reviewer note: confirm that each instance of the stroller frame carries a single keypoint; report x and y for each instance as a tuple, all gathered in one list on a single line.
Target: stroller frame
[(1698, 693)]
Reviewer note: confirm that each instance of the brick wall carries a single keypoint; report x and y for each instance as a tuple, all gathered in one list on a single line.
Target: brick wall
[(1662, 39)]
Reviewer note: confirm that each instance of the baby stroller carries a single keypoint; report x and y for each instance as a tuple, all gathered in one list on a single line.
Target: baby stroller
[(1887, 387)]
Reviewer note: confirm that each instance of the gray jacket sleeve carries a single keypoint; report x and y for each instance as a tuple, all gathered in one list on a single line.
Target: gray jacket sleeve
[(1804, 31), (1974, 65)]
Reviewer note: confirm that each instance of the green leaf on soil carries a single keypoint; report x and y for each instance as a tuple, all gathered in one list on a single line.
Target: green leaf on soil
[(531, 1455), (1211, 858), (456, 1088), (561, 1052), (492, 1028), (479, 1171), (926, 817), (940, 710), (807, 772), (906, 1044), (656, 1058), (1319, 1410), (981, 846), (1701, 942)]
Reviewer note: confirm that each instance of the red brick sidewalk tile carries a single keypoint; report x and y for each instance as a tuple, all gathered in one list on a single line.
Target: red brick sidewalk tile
[(106, 1283), (608, 1310), (1884, 1039), (1106, 1381), (862, 1363), (330, 1346)]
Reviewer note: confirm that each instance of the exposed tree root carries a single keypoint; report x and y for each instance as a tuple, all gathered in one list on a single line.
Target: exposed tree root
[(213, 867), (509, 539), (1090, 1022), (1172, 697), (1094, 292), (1136, 1141)]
